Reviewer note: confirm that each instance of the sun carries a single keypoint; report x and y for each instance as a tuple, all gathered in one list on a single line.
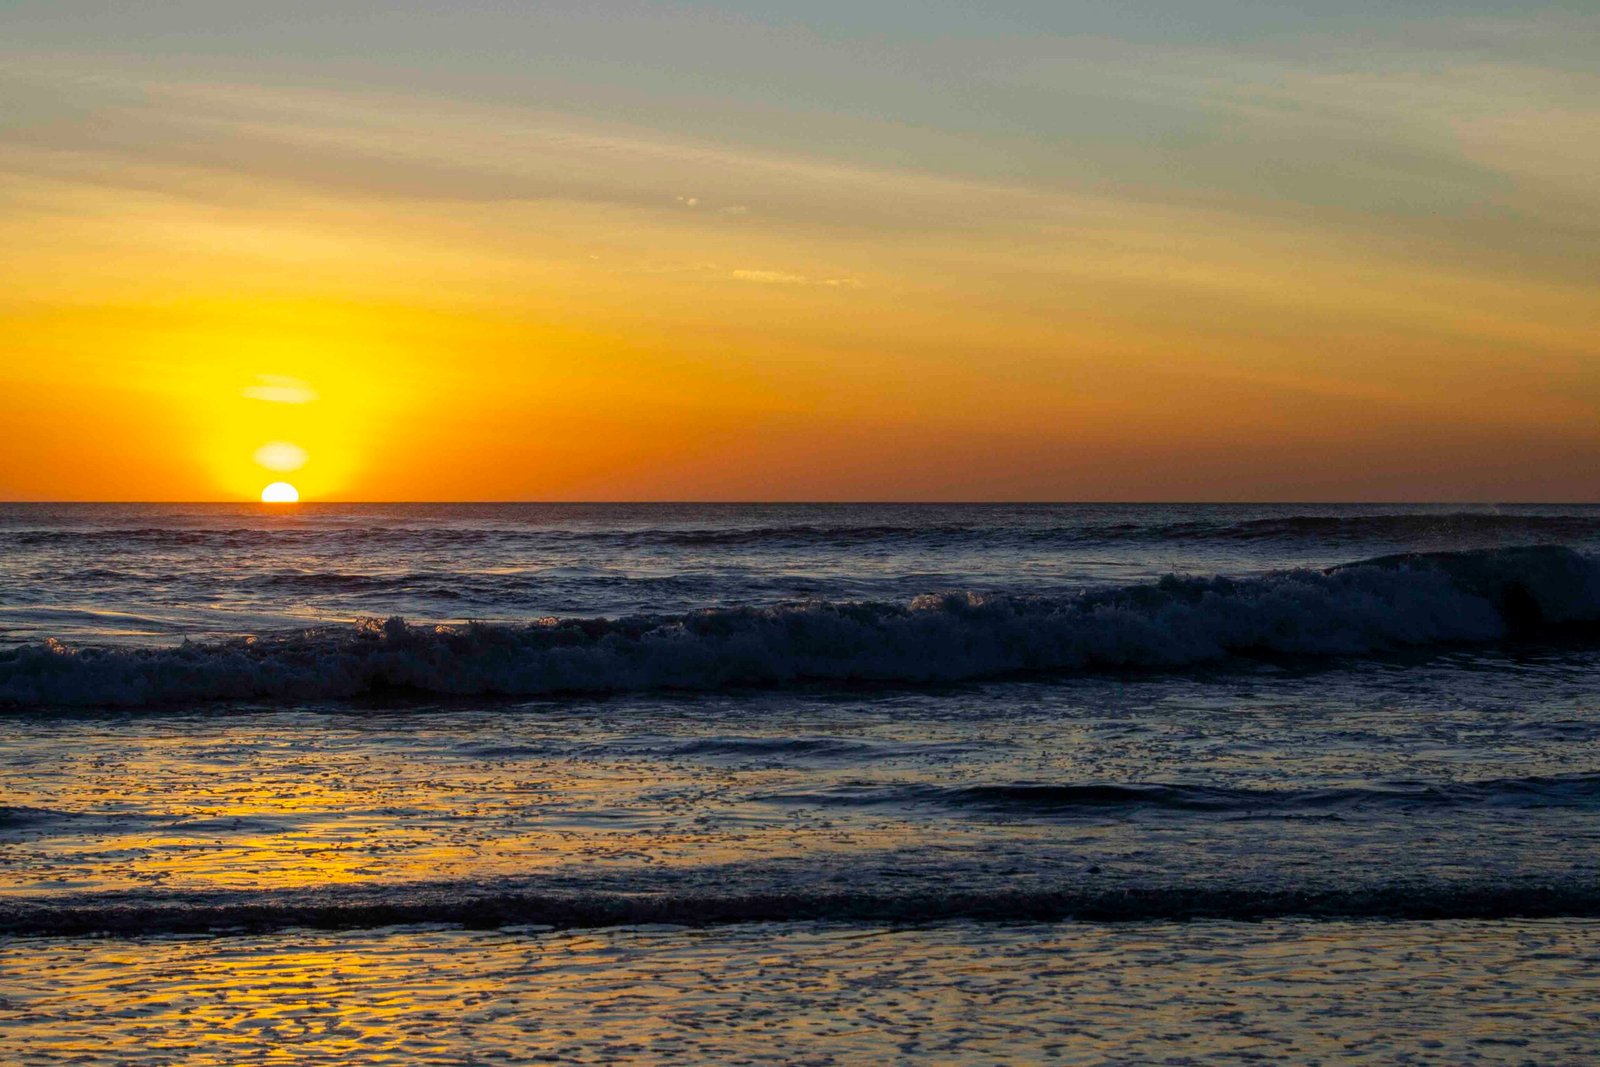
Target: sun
[(280, 493)]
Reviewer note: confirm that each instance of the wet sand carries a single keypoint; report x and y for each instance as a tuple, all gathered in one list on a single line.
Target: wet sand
[(1506, 992)]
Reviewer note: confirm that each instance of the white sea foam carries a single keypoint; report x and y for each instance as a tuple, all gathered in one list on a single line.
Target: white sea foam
[(1374, 606)]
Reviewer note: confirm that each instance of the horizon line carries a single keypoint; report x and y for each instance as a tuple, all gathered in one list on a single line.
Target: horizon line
[(1306, 502)]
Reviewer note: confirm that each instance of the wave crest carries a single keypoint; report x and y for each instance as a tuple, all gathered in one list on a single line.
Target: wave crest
[(1374, 606)]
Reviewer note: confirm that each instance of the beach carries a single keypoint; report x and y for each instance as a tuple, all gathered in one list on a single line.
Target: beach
[(832, 784)]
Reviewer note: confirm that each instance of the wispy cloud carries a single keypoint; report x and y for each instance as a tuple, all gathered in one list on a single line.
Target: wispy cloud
[(778, 277), (277, 389)]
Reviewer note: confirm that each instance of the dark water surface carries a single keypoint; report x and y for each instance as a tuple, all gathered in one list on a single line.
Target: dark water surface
[(1371, 731)]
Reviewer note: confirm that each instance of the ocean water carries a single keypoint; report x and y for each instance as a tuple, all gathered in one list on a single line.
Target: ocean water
[(852, 783)]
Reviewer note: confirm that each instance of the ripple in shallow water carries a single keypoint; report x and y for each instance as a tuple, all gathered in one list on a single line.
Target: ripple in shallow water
[(1432, 993)]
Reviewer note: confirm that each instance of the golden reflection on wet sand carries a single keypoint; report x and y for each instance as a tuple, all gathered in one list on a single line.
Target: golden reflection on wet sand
[(1434, 993)]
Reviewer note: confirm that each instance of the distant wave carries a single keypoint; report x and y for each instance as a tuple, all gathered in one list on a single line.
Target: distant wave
[(1398, 527), (1084, 897), (1445, 529), (1098, 799), (1370, 607), (788, 534), (153, 537)]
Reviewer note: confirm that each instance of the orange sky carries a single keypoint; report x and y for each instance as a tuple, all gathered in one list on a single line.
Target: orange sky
[(1044, 264)]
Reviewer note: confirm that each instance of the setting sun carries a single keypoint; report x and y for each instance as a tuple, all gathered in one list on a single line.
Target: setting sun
[(280, 493)]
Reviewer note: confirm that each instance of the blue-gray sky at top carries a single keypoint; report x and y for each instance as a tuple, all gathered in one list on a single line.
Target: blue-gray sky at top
[(1091, 92)]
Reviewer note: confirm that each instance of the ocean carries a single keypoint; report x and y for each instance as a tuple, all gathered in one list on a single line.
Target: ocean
[(820, 784)]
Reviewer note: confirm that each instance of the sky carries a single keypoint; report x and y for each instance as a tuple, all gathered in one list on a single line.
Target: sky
[(1065, 250)]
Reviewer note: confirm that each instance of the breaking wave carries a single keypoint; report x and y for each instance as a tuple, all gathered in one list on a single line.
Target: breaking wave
[(1369, 607)]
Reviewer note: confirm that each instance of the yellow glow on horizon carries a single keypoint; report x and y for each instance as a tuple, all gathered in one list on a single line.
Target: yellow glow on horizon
[(280, 493), (251, 390)]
